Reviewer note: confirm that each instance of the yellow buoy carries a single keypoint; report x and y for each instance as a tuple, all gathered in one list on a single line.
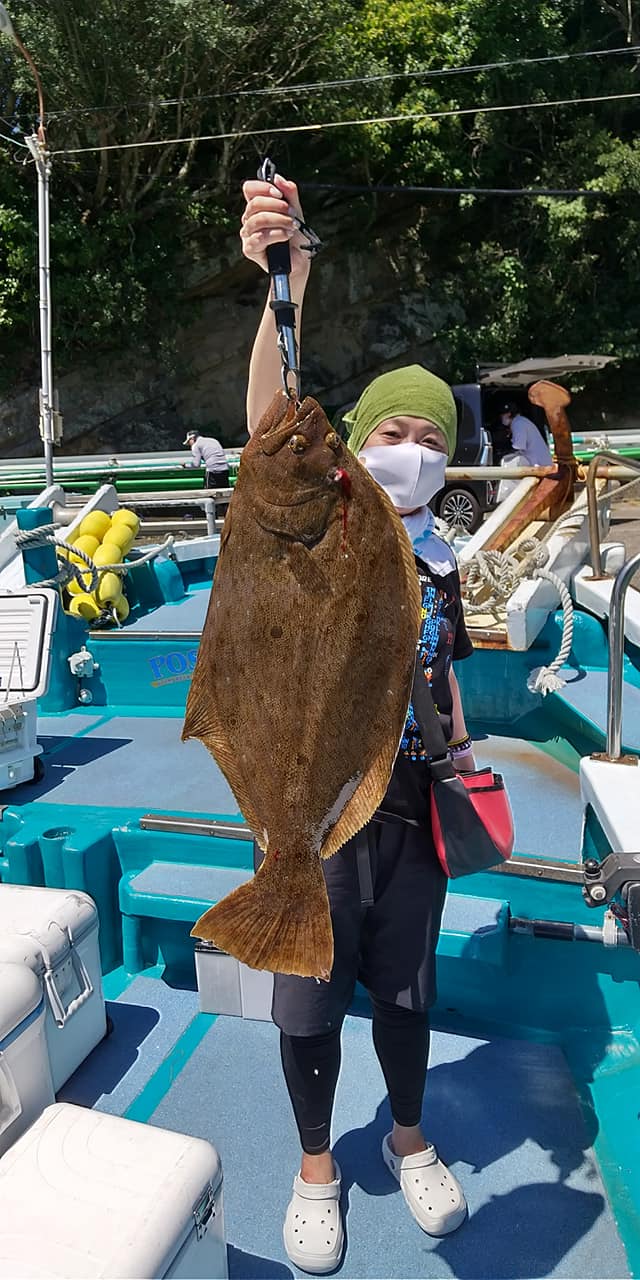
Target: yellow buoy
[(85, 542), (123, 535), (108, 552), (73, 586), (96, 523), (122, 608), (88, 544), (84, 606), (109, 589), (124, 516)]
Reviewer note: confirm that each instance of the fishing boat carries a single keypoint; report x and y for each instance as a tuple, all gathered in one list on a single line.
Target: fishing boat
[(170, 1150), (535, 1068)]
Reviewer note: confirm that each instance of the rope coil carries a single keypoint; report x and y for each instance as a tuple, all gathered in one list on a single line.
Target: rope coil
[(502, 572)]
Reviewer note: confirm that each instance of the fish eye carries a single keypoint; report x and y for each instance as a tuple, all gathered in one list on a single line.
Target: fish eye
[(299, 444), (332, 440)]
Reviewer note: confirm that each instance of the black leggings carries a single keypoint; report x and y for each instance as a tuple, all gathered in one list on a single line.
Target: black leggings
[(311, 1065)]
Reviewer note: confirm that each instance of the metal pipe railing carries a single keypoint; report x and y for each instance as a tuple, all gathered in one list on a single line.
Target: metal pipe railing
[(175, 498), (616, 656), (620, 472), (592, 504)]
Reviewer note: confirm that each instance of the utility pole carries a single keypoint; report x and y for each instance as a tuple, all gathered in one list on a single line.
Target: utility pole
[(50, 421)]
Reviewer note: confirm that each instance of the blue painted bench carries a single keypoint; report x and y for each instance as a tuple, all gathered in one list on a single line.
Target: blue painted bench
[(473, 928)]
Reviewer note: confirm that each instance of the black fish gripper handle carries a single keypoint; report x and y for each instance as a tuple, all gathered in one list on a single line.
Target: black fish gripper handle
[(278, 255)]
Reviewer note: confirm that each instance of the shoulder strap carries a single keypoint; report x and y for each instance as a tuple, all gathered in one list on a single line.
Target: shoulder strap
[(429, 726)]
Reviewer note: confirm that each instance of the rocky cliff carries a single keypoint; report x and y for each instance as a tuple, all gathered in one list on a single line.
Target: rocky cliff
[(366, 310)]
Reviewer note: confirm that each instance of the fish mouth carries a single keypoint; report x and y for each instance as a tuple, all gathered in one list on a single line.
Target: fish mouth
[(287, 425), (309, 414)]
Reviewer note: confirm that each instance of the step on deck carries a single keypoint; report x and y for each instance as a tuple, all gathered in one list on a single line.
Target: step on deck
[(586, 693)]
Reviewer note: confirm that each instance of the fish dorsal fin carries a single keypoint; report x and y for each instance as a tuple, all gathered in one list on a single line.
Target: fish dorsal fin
[(203, 722)]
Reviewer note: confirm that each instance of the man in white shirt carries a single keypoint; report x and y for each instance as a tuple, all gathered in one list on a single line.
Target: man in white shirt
[(207, 450), (529, 447), (526, 439)]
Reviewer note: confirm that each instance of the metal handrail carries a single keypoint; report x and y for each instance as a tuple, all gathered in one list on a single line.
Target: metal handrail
[(616, 657), (206, 500), (592, 504), (482, 472)]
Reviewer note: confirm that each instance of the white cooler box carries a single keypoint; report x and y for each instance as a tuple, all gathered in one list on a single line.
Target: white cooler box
[(26, 1087), (55, 933), (86, 1195)]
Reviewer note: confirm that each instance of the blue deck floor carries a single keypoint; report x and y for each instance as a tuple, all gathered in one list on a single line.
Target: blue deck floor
[(126, 761), (187, 614), (504, 1114), (140, 762)]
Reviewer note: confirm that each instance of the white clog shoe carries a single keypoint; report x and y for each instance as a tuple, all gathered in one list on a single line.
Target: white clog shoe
[(433, 1195), (313, 1230)]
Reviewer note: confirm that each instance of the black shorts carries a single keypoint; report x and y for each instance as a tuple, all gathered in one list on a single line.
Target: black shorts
[(217, 480), (388, 945)]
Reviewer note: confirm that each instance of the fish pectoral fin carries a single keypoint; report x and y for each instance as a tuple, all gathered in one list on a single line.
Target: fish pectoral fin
[(306, 569), (276, 922)]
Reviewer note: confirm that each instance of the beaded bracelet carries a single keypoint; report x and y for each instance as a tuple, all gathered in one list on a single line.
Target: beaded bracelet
[(461, 747)]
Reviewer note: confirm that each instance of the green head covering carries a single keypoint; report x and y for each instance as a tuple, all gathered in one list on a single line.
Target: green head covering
[(411, 392)]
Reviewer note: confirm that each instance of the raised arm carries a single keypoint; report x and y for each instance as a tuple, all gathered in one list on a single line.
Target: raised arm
[(266, 220)]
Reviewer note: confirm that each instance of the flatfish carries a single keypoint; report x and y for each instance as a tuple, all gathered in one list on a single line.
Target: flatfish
[(303, 676)]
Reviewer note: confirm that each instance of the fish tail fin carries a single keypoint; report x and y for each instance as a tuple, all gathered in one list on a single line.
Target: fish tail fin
[(277, 921)]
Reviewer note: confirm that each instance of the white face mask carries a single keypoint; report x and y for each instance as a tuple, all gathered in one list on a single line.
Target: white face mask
[(411, 474)]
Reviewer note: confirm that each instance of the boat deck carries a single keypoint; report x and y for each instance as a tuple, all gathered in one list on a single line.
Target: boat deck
[(182, 616), (513, 1116), (586, 692), (124, 761), (504, 1113)]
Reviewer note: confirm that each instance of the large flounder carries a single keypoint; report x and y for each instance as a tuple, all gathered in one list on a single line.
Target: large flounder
[(303, 677)]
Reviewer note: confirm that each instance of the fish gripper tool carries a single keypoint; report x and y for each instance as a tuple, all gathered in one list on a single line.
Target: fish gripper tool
[(282, 305)]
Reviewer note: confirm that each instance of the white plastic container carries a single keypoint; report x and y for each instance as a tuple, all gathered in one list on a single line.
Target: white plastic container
[(88, 1195), (55, 933), (26, 1087), (26, 636), (227, 986)]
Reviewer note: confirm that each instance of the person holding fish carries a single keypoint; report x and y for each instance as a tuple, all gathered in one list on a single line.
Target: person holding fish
[(385, 885)]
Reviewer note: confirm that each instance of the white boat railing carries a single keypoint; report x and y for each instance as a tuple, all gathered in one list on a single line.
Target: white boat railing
[(632, 468), (616, 658)]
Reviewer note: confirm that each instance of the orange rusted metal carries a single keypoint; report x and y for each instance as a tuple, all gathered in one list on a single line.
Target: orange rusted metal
[(553, 495), (554, 399)]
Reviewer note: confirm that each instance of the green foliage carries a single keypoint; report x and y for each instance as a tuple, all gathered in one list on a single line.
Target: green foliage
[(131, 227)]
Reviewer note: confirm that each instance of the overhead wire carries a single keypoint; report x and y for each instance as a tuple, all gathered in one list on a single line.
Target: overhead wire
[(532, 192), (317, 86), (320, 126), (15, 142)]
